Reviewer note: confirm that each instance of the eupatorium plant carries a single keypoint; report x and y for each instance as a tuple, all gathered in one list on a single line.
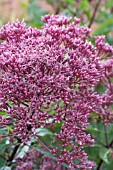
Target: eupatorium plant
[(56, 69)]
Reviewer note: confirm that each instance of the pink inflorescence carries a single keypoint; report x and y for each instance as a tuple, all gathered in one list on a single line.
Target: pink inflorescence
[(105, 52), (57, 66)]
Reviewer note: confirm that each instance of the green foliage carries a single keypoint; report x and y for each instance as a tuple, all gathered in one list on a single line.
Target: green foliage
[(50, 2), (108, 4), (22, 151), (35, 13), (84, 5), (3, 113), (105, 27), (43, 132), (100, 150), (48, 154), (103, 154)]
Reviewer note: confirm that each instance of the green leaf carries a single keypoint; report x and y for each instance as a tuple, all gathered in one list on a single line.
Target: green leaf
[(50, 156), (2, 148), (92, 153), (47, 139), (77, 86), (43, 132), (84, 5), (94, 115), (104, 153), (108, 166), (88, 14), (47, 154), (2, 163), (3, 113), (61, 102), (23, 151), (93, 129), (6, 168), (105, 27), (65, 165)]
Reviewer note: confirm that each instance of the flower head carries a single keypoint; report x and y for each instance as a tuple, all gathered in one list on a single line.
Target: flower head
[(56, 67)]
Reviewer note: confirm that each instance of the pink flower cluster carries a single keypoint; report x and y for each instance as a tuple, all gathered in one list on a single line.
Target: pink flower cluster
[(41, 162), (54, 67), (106, 57)]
